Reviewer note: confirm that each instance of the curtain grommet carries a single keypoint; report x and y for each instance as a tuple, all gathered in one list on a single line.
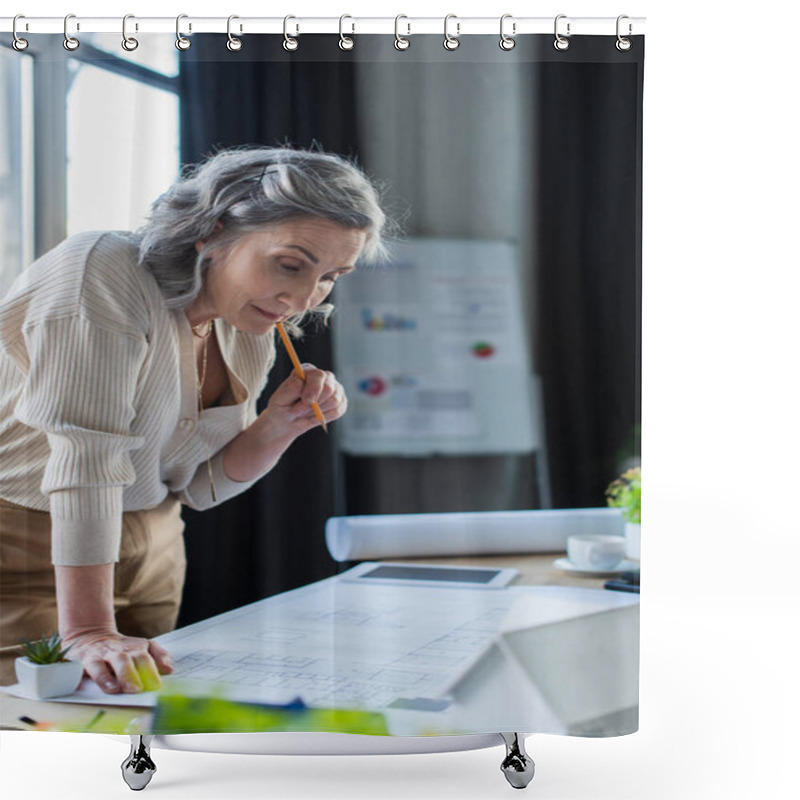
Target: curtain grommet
[(400, 42), (19, 44), (623, 44), (70, 42), (507, 42), (129, 44), (233, 44), (451, 42), (181, 42), (346, 42), (561, 43), (290, 44)]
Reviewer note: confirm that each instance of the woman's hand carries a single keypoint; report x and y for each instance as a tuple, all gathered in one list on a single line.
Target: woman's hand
[(290, 408), (119, 663), (288, 415)]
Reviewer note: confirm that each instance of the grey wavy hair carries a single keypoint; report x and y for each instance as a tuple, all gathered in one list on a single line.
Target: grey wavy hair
[(245, 189)]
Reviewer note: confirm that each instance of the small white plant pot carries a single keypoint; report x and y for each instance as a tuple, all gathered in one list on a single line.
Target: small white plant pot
[(633, 541), (48, 680)]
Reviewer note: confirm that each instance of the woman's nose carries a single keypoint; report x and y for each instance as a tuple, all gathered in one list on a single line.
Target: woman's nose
[(301, 297)]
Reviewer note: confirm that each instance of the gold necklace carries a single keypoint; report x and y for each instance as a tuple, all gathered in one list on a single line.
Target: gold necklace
[(209, 328), (200, 380)]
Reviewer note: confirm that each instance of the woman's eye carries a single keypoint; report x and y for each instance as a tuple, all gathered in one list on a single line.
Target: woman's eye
[(290, 267)]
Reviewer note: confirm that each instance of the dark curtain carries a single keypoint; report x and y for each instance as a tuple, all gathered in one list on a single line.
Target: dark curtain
[(588, 272), (269, 539)]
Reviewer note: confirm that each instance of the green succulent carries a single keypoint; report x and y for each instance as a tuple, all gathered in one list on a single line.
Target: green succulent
[(626, 493), (45, 650)]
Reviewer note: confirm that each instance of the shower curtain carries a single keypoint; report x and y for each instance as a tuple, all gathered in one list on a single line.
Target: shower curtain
[(404, 573)]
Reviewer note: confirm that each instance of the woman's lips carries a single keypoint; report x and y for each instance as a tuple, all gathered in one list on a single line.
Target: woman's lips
[(268, 315)]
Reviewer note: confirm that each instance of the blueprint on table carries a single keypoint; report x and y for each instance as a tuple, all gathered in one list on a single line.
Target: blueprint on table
[(340, 644)]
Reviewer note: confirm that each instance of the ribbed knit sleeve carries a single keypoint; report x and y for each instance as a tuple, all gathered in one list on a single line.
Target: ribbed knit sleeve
[(80, 392), (197, 494)]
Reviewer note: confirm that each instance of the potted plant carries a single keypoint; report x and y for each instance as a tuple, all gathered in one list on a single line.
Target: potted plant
[(625, 493), (44, 671)]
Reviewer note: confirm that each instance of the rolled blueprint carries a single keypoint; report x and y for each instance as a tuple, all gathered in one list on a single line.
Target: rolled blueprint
[(463, 534)]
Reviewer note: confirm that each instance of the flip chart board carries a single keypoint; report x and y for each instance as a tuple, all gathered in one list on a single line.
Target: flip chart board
[(432, 352)]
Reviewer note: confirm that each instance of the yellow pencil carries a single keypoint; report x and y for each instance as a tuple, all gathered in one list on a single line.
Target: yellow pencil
[(300, 372)]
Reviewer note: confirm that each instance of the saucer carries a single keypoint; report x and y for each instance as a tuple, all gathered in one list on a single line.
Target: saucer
[(567, 566)]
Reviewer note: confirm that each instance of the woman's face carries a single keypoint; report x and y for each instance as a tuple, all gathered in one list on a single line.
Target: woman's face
[(283, 269)]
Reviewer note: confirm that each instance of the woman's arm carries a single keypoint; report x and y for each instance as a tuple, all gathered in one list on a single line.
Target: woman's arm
[(288, 415), (117, 663), (85, 594), (260, 445)]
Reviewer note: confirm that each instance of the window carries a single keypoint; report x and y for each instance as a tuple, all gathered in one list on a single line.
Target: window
[(121, 153), (16, 164), (155, 52), (87, 140)]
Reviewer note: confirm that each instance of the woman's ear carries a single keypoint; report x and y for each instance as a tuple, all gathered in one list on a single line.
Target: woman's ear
[(201, 243)]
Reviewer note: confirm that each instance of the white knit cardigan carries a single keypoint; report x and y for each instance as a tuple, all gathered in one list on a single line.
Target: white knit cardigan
[(98, 399)]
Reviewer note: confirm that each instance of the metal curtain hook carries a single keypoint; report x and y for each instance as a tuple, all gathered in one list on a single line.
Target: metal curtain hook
[(346, 42), (181, 42), (400, 43), (561, 42), (19, 43), (290, 43), (451, 42), (128, 42), (233, 44), (507, 42), (70, 42), (622, 43)]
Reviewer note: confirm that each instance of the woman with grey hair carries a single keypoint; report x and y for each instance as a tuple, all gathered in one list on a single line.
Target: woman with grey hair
[(130, 365)]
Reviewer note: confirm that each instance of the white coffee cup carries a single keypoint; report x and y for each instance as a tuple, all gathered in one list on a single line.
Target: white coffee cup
[(598, 552)]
